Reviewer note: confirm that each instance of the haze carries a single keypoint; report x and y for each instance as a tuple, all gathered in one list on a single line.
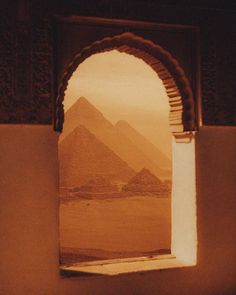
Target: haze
[(124, 87)]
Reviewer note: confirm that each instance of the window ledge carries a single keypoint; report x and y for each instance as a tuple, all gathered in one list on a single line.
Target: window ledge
[(120, 266)]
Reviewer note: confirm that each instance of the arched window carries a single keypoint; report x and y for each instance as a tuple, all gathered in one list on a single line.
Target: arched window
[(109, 162), (182, 113)]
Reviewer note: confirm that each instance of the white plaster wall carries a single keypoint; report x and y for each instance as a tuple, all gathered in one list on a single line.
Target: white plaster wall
[(184, 219), (29, 222)]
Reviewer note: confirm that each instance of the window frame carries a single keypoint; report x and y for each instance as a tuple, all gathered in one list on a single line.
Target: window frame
[(184, 120)]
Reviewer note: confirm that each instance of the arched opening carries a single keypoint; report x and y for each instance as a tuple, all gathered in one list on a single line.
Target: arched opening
[(115, 161), (181, 122), (178, 89)]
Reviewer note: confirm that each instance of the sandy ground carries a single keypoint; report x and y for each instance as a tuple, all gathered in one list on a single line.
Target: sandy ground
[(109, 227)]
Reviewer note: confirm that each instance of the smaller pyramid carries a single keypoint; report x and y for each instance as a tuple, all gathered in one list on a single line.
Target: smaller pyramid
[(144, 182)]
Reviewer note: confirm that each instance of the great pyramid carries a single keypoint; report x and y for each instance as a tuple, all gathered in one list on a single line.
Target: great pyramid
[(83, 157), (145, 182)]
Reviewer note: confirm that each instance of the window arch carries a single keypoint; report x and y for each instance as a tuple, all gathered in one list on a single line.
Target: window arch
[(182, 112)]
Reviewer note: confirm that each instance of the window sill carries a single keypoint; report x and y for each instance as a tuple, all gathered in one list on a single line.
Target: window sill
[(121, 266)]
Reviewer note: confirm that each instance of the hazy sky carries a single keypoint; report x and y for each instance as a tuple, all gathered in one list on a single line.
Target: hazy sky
[(124, 87)]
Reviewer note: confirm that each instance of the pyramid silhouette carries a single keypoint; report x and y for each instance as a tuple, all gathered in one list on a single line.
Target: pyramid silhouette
[(82, 112), (144, 145)]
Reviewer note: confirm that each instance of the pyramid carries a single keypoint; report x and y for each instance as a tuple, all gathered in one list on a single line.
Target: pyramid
[(83, 157), (144, 145), (145, 182), (82, 112)]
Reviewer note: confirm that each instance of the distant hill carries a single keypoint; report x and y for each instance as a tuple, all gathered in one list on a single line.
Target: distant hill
[(82, 112), (145, 182), (144, 144), (84, 157)]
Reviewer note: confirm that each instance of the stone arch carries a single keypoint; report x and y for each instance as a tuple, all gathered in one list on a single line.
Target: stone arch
[(182, 116)]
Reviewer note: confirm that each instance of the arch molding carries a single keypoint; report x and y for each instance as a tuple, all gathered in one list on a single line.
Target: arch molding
[(182, 118)]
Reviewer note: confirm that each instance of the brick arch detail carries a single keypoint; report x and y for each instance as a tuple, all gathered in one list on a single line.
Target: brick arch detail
[(182, 114)]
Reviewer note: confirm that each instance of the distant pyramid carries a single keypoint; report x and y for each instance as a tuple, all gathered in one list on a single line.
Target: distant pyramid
[(84, 157), (82, 112), (144, 144), (145, 182)]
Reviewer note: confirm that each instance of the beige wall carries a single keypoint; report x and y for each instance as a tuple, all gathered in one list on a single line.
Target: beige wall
[(28, 211), (29, 221)]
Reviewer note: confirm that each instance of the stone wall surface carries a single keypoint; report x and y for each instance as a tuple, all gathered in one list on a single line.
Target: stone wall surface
[(28, 60)]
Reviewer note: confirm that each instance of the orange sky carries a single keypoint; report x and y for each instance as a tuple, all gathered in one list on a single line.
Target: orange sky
[(124, 87)]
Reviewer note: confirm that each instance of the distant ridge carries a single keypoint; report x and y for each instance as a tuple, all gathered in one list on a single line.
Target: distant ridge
[(82, 112), (83, 157)]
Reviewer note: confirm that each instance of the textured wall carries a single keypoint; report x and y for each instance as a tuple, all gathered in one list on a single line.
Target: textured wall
[(28, 61)]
